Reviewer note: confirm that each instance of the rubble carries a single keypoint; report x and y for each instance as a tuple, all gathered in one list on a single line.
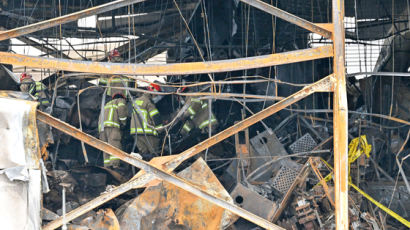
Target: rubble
[(246, 122)]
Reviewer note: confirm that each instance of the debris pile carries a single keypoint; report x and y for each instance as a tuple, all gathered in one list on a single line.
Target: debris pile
[(246, 122), (283, 175)]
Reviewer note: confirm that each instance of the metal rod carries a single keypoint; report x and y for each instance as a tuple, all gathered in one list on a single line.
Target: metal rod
[(340, 116), (289, 17), (168, 69), (152, 169), (142, 180), (390, 74), (65, 19), (63, 210)]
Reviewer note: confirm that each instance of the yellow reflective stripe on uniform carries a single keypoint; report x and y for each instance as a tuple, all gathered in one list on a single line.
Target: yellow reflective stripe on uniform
[(111, 124), (118, 80), (108, 106), (106, 161), (191, 111), (186, 127), (40, 86), (139, 102), (206, 122), (123, 118), (44, 102), (111, 114), (204, 105), (120, 104), (31, 89), (153, 112), (141, 131), (103, 81), (196, 100)]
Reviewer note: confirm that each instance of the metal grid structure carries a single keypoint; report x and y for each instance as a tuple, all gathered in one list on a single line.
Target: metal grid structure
[(303, 144), (284, 178), (335, 83)]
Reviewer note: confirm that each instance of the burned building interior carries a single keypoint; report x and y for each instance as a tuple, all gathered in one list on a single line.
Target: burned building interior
[(280, 114)]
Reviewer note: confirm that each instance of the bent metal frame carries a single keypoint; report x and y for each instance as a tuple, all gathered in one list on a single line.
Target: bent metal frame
[(335, 83)]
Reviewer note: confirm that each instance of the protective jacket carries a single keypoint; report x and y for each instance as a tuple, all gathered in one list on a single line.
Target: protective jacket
[(114, 81), (115, 114), (198, 116), (36, 89), (145, 116)]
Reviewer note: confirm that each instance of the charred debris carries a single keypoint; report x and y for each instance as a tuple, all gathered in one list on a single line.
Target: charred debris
[(278, 167)]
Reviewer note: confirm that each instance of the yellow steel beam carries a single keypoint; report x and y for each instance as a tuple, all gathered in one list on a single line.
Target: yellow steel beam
[(167, 69), (340, 113), (289, 17)]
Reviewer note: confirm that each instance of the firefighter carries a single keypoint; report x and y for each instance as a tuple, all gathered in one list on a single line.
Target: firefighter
[(115, 80), (144, 122), (35, 89), (197, 116), (111, 122)]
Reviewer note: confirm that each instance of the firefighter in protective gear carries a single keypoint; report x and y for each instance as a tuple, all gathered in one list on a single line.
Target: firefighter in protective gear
[(144, 122), (114, 81), (111, 121), (34, 88), (197, 116)]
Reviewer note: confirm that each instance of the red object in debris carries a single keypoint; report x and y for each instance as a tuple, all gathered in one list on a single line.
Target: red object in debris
[(118, 94), (154, 87), (114, 53), (25, 76)]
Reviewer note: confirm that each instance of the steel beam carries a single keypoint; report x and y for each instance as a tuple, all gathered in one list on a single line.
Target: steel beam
[(168, 69), (153, 170), (289, 17), (65, 19), (340, 113), (324, 85)]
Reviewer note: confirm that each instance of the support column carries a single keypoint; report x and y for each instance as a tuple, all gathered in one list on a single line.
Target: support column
[(340, 112)]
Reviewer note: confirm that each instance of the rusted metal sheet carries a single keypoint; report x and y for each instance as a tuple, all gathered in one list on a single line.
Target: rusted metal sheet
[(252, 201), (166, 206), (340, 113), (168, 69), (65, 19), (169, 163), (152, 169), (289, 17)]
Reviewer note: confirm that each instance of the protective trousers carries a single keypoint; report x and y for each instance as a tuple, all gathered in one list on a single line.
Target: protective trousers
[(148, 144), (112, 136)]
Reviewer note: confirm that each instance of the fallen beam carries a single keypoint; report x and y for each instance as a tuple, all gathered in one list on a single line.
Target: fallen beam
[(323, 85), (168, 69), (65, 19), (289, 17), (153, 170)]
